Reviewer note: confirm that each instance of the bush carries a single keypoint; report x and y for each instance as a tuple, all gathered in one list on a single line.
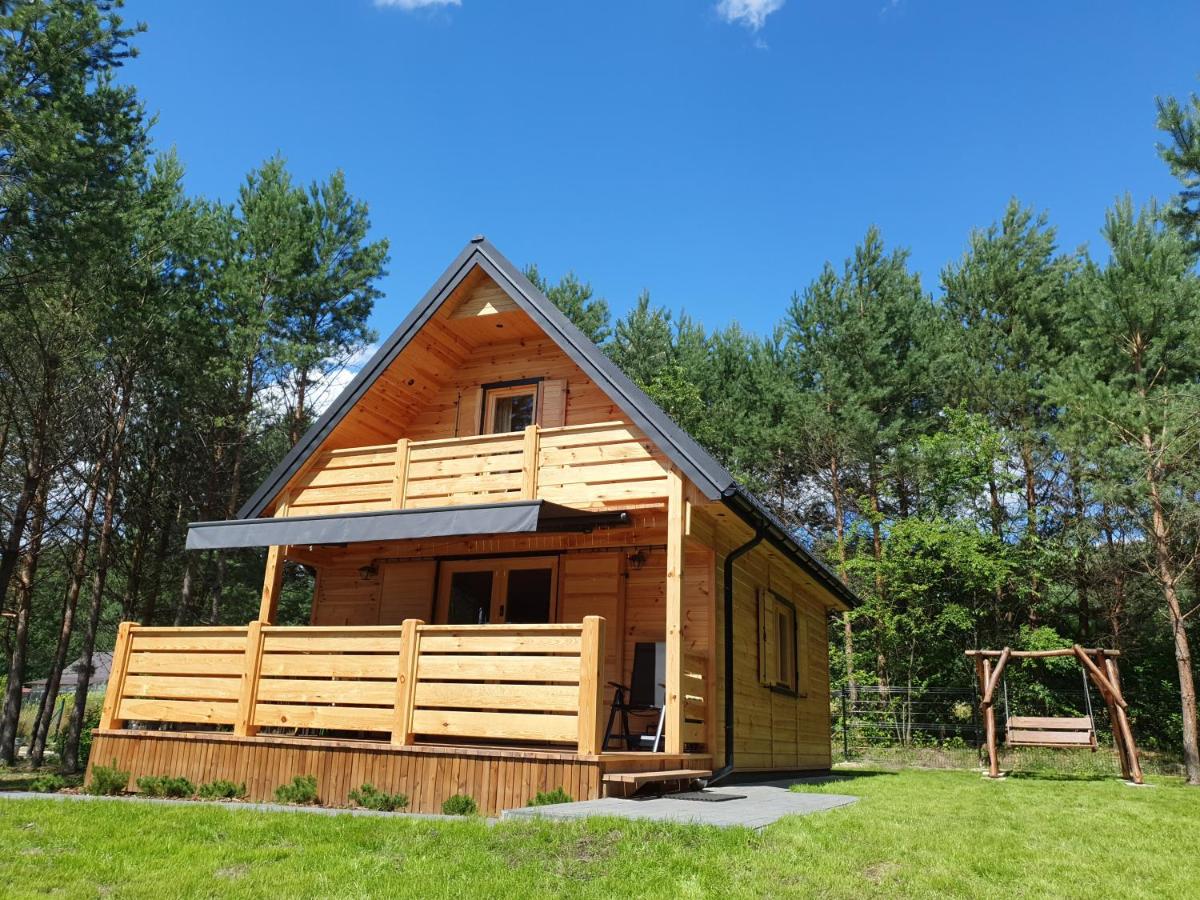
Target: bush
[(370, 797), (302, 791), (222, 790), (48, 784), (548, 798), (108, 780), (459, 805), (165, 786), (91, 719)]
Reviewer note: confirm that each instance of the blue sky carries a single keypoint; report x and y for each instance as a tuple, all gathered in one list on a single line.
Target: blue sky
[(715, 154)]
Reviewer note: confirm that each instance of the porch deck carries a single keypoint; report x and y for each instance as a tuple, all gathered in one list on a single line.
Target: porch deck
[(498, 712)]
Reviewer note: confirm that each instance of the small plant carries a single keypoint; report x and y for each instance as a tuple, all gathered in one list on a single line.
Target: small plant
[(108, 780), (165, 786), (459, 805), (370, 797), (549, 798), (48, 783), (302, 791), (222, 790)]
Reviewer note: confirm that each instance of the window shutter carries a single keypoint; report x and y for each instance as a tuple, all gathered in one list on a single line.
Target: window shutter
[(801, 654), (468, 411), (767, 665), (554, 403)]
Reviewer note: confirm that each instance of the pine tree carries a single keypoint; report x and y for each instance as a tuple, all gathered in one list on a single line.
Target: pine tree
[(1134, 383)]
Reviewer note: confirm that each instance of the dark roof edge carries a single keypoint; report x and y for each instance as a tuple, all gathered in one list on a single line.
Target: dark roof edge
[(753, 512), (698, 464), (387, 352)]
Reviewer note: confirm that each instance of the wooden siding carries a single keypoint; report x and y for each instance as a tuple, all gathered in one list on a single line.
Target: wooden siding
[(581, 466), (497, 779), (773, 730), (431, 390)]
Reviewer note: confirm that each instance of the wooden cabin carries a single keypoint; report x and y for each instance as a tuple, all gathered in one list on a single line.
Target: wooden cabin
[(502, 527)]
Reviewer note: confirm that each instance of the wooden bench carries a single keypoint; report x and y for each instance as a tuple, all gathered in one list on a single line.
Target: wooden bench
[(625, 783), (1051, 731)]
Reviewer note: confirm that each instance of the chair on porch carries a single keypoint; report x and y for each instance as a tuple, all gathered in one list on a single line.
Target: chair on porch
[(638, 698)]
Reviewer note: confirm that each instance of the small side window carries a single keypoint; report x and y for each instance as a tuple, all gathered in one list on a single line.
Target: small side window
[(778, 642)]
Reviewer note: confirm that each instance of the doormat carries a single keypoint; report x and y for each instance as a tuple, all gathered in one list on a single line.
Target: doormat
[(705, 796)]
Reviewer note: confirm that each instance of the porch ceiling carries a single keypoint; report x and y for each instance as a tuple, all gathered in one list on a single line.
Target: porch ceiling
[(398, 524)]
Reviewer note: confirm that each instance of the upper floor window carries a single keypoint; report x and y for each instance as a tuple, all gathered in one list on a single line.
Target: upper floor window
[(510, 407)]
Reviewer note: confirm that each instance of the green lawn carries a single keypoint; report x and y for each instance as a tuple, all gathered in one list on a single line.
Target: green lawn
[(913, 833)]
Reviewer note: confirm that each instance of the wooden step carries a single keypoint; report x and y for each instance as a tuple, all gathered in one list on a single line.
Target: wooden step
[(636, 779)]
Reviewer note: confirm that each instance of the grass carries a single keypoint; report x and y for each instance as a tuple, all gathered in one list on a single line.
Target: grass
[(912, 834)]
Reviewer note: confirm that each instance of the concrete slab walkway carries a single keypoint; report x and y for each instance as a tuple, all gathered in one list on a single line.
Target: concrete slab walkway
[(763, 804)]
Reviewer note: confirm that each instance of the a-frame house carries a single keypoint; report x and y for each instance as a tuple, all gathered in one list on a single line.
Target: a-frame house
[(502, 527)]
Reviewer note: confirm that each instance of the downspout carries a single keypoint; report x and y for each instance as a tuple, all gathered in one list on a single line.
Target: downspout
[(760, 532)]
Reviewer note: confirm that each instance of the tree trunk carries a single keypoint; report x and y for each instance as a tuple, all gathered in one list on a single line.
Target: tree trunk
[(1031, 529), (70, 758), (41, 728), (1082, 588), (20, 647), (1167, 580), (34, 494), (839, 530), (150, 604)]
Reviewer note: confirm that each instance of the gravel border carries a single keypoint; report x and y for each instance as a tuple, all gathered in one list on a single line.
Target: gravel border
[(239, 804)]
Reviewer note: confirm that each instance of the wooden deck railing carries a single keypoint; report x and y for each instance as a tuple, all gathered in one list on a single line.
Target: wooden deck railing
[(413, 682), (577, 465), (696, 701)]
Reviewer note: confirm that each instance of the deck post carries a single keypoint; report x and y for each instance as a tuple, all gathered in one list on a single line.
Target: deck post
[(529, 463), (591, 686), (116, 678), (673, 717), (251, 671), (273, 576), (400, 475), (406, 682)]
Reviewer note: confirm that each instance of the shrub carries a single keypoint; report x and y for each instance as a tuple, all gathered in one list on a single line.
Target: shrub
[(222, 790), (548, 798), (91, 719), (302, 791), (108, 780), (48, 783), (165, 786), (370, 797), (459, 805)]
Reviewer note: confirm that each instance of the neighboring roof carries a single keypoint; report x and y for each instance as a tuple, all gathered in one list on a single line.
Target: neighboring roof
[(398, 524), (101, 667), (711, 478)]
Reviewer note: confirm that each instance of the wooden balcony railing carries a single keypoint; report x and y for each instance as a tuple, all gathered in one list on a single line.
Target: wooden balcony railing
[(577, 465), (488, 683)]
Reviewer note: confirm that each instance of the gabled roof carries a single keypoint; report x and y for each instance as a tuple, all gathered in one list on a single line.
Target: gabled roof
[(711, 478)]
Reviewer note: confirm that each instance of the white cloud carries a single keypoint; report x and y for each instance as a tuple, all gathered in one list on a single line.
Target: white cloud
[(410, 5), (750, 13)]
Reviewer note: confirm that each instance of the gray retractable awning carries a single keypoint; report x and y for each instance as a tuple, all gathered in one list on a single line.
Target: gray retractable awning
[(398, 524)]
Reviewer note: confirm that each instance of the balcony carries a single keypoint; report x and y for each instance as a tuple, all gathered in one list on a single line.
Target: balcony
[(582, 466)]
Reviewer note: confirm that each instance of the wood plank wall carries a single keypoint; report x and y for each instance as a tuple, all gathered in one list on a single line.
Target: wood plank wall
[(772, 730), (496, 779)]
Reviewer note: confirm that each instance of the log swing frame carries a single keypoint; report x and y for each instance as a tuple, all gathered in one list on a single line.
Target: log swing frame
[(1098, 664)]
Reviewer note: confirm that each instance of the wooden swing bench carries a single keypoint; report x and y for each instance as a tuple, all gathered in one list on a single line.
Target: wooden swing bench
[(1057, 732)]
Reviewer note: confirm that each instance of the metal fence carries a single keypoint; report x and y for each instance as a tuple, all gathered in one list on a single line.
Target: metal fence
[(871, 717)]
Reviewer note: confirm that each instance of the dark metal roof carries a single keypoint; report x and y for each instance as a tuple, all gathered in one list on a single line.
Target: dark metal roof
[(712, 479)]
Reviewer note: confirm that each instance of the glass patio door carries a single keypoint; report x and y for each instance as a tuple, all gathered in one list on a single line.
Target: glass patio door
[(519, 590)]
